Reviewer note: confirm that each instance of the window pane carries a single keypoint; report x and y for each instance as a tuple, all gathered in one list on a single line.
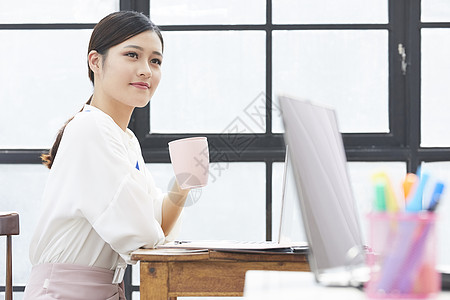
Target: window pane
[(329, 11), (136, 275), (44, 82), (209, 80), (22, 190), (435, 87), (292, 228), (441, 171), (189, 12), (55, 11), (218, 211), (435, 11), (18, 296), (346, 70), (360, 176)]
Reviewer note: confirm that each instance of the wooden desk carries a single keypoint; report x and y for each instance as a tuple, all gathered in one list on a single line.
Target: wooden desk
[(167, 275)]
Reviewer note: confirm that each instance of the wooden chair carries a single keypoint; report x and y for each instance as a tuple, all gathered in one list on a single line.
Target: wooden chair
[(9, 225)]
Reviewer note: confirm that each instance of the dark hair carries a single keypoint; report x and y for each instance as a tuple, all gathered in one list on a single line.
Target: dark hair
[(112, 30)]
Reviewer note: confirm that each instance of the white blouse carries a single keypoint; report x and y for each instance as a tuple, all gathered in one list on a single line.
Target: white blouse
[(100, 201)]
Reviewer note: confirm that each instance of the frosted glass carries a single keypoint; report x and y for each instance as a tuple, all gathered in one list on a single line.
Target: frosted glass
[(329, 11), (231, 207), (435, 90), (22, 190), (44, 82), (211, 81), (136, 278), (54, 11), (188, 12), (441, 171), (435, 10), (292, 229), (346, 70), (218, 211), (16, 295), (363, 191), (360, 176)]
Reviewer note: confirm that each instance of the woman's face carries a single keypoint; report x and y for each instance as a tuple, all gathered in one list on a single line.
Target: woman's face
[(131, 71)]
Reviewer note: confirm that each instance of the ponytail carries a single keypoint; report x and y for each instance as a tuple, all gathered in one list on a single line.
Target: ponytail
[(47, 159)]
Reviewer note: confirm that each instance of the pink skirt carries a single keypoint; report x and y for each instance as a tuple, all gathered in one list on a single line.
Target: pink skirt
[(67, 281)]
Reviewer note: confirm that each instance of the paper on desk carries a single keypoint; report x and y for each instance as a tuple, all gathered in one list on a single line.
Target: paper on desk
[(168, 251), (231, 245)]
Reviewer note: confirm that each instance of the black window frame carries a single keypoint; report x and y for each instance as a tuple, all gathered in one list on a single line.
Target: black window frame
[(401, 144)]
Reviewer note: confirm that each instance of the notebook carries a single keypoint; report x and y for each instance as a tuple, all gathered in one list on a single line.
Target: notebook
[(336, 251)]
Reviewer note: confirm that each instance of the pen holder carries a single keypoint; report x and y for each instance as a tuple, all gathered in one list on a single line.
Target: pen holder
[(403, 261)]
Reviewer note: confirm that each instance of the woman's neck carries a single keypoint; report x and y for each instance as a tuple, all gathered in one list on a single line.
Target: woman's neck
[(119, 112)]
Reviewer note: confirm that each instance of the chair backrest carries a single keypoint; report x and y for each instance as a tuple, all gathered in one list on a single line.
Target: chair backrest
[(9, 225)]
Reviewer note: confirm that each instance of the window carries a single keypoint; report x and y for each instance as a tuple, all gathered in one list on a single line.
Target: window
[(225, 63), (41, 97)]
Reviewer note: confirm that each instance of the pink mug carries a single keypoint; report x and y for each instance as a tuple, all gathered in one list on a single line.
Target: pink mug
[(190, 161)]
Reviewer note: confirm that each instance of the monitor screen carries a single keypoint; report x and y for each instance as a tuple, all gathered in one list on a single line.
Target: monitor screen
[(323, 187)]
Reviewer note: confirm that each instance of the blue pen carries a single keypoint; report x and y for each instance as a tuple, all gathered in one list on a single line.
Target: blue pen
[(415, 203), (419, 171), (436, 196)]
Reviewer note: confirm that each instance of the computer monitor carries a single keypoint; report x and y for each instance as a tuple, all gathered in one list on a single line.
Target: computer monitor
[(324, 191)]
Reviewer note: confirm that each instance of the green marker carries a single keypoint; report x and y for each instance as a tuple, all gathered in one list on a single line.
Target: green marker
[(380, 196)]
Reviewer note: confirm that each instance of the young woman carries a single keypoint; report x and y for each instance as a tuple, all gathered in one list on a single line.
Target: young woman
[(100, 201)]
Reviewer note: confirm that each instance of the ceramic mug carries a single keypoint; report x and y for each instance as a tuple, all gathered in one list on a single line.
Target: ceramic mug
[(190, 161)]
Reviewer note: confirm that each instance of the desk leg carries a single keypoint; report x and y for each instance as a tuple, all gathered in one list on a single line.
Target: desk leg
[(154, 281)]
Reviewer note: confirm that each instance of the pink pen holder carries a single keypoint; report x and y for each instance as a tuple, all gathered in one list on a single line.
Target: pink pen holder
[(403, 262)]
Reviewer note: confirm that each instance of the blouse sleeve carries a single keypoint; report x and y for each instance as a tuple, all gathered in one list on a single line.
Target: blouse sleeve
[(156, 194), (111, 193), (158, 197)]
